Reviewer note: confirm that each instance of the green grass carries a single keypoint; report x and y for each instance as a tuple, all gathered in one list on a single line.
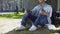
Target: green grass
[(14, 16)]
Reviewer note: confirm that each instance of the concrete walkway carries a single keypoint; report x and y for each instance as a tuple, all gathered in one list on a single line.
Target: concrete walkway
[(7, 25), (6, 13)]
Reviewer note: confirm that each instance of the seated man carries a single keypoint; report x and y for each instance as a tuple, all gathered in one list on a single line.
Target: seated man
[(40, 15)]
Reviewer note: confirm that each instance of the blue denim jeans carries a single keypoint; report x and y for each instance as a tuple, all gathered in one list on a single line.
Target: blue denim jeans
[(36, 20)]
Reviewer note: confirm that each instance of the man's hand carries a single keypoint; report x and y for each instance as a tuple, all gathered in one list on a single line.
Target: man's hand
[(27, 11), (44, 13)]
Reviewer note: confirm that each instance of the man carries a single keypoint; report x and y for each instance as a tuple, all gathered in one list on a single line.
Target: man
[(40, 15)]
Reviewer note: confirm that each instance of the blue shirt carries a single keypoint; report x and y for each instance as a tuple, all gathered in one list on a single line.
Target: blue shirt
[(37, 9)]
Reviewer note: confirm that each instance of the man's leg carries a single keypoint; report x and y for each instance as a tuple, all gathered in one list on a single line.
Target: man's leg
[(41, 20), (24, 20), (35, 24)]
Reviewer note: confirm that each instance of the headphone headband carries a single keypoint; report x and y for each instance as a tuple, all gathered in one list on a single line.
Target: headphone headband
[(45, 0)]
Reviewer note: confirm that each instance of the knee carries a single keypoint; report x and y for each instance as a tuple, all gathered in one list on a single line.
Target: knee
[(26, 14)]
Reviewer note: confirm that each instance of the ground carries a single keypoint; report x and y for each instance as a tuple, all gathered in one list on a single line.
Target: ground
[(10, 21), (8, 25)]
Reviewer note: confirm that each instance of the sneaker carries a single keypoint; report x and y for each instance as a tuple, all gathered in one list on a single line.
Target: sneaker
[(21, 27), (51, 27), (33, 28)]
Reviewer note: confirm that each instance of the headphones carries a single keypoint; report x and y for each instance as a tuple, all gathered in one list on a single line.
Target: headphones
[(44, 0)]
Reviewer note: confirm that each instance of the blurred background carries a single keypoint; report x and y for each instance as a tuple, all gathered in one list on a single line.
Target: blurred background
[(10, 5)]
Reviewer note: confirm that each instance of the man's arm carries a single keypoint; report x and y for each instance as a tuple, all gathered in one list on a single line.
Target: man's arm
[(43, 12), (49, 14), (34, 10)]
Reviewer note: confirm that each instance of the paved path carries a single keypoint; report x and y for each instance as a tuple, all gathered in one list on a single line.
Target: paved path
[(7, 25), (6, 13)]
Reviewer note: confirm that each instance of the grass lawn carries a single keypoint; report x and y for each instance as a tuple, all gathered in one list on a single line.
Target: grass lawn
[(13, 16)]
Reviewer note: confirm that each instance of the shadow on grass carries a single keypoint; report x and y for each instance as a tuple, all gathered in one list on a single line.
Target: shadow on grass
[(41, 30)]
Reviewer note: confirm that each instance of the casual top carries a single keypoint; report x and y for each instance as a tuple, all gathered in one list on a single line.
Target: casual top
[(36, 10)]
